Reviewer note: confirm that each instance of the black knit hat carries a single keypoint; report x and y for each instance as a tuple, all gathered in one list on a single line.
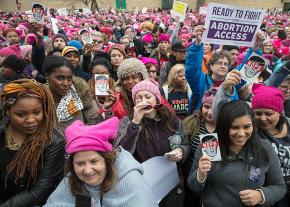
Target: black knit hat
[(14, 63)]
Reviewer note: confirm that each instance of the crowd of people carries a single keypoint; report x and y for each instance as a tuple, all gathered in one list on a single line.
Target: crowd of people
[(62, 144)]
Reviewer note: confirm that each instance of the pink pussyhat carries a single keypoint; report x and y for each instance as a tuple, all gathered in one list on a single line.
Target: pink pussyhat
[(80, 137), (267, 97), (147, 38)]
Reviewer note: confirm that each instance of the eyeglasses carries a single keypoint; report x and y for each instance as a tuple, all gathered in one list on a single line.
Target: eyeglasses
[(222, 64)]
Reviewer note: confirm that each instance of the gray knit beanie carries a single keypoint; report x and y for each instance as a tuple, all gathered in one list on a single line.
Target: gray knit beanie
[(131, 66)]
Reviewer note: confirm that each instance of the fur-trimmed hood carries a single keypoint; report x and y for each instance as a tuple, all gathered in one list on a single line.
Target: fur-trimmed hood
[(83, 91)]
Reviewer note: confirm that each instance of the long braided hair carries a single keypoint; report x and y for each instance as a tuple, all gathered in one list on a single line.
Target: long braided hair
[(31, 151)]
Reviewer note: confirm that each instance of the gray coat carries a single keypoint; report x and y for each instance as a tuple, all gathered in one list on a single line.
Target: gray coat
[(224, 181)]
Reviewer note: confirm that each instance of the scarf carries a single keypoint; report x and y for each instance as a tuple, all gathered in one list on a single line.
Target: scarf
[(69, 105)]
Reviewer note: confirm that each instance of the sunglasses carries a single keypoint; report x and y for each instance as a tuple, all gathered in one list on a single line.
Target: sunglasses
[(156, 107), (97, 42)]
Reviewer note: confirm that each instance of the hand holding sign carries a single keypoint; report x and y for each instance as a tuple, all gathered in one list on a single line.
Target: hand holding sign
[(232, 79), (198, 31), (37, 29), (260, 37), (204, 166)]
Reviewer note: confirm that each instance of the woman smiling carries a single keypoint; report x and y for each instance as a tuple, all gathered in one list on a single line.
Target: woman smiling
[(97, 174)]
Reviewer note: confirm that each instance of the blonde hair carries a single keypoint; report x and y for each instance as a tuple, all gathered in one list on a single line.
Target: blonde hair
[(173, 75)]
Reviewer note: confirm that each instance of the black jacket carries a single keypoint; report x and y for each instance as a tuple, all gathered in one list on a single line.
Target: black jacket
[(50, 174)]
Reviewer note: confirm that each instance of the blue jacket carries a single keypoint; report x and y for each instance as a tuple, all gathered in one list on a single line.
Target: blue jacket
[(200, 82)]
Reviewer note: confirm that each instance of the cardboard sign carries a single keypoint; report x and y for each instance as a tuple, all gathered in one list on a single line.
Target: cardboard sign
[(37, 13), (101, 84), (231, 25), (210, 146), (87, 37), (179, 10), (253, 67)]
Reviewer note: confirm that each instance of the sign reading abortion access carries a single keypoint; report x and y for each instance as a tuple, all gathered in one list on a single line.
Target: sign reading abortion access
[(230, 25)]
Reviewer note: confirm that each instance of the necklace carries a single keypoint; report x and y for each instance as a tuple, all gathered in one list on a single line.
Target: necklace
[(10, 142)]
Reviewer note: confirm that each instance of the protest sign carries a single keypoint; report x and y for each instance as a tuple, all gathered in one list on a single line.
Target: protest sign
[(203, 10), (179, 10), (3, 41), (231, 25), (210, 146), (54, 22), (144, 10), (87, 37), (62, 12), (101, 84), (37, 13), (253, 67)]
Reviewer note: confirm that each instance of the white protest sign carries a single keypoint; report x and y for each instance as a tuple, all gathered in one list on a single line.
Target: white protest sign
[(161, 182), (203, 10), (136, 10), (62, 12), (87, 37), (144, 10), (54, 22), (179, 10), (37, 13), (231, 25), (87, 11), (101, 84), (253, 67), (210, 146)]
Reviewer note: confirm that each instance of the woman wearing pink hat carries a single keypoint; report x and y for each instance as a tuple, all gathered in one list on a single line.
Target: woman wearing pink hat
[(152, 130), (97, 174), (147, 133)]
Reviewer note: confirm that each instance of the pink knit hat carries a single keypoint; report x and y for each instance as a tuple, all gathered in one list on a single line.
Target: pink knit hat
[(11, 50), (163, 37), (25, 50), (147, 38), (80, 137), (147, 85), (146, 60), (30, 38), (209, 95), (267, 97)]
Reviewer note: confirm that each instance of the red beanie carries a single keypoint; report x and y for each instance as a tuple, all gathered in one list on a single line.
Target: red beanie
[(267, 97)]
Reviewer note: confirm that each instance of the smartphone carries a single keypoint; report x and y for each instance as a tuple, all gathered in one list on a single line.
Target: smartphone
[(83, 200)]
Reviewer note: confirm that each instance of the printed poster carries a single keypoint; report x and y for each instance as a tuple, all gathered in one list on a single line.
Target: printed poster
[(101, 84), (232, 25), (179, 10), (253, 67), (87, 37), (210, 146), (37, 13)]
